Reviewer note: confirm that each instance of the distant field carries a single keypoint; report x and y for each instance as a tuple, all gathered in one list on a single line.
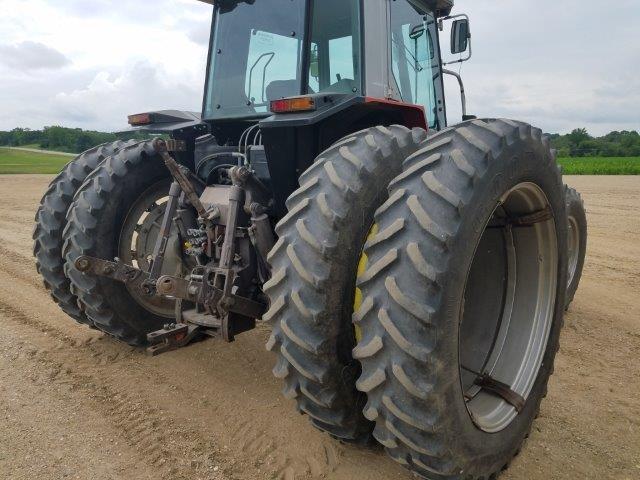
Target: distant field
[(601, 166), (15, 161)]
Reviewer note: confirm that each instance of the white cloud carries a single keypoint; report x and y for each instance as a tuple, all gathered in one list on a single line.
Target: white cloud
[(555, 64), (112, 59), (139, 87), (31, 56)]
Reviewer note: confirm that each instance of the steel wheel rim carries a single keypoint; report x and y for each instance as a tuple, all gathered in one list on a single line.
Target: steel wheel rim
[(137, 240), (523, 315), (573, 241)]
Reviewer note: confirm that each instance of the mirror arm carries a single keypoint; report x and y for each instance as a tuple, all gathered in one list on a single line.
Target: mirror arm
[(453, 17), (462, 59), (462, 93)]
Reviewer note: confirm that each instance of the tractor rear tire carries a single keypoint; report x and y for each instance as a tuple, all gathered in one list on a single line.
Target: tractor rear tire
[(51, 221), (577, 241), (95, 223), (314, 266), (473, 187)]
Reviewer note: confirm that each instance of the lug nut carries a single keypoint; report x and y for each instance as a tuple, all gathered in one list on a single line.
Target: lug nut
[(83, 264), (165, 286)]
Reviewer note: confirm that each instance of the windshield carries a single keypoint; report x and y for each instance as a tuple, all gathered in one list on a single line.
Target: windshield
[(255, 57), (259, 48)]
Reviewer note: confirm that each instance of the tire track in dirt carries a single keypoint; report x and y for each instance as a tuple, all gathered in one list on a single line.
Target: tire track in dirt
[(263, 450), (18, 240), (17, 265), (18, 217), (144, 428), (68, 448)]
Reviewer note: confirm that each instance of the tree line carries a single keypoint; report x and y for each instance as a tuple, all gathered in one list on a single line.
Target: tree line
[(578, 143), (71, 140)]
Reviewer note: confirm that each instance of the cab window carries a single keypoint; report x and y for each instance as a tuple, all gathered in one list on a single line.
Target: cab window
[(335, 47), (415, 64)]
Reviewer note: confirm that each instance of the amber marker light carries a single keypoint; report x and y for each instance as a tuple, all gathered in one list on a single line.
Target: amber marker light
[(295, 104), (140, 119)]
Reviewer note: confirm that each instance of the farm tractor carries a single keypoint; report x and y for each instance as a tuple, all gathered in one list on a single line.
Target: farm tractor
[(414, 275)]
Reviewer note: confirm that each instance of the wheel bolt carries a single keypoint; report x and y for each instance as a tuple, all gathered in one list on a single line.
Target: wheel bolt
[(82, 264)]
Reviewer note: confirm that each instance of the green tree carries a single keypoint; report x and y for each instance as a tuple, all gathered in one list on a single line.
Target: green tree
[(577, 139)]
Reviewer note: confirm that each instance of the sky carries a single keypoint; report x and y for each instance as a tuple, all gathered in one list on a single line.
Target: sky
[(558, 64)]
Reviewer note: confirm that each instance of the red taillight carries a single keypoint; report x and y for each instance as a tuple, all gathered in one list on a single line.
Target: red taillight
[(140, 119), (295, 104)]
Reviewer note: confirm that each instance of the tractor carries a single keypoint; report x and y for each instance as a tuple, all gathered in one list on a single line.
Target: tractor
[(414, 275)]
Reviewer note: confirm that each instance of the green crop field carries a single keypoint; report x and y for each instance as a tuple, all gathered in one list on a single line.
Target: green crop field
[(16, 161), (601, 165)]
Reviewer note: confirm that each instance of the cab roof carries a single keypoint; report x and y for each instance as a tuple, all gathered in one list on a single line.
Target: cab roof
[(441, 7)]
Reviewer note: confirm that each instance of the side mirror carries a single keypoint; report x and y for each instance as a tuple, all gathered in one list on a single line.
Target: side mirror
[(460, 36)]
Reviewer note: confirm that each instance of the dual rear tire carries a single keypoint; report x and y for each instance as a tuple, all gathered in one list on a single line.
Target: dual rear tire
[(51, 220), (89, 209), (437, 248)]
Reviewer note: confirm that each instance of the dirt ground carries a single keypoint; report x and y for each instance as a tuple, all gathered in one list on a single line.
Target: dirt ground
[(75, 404)]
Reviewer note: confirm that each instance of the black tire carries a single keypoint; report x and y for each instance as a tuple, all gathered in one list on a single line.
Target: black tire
[(51, 220), (413, 292), (578, 223), (94, 224), (314, 272)]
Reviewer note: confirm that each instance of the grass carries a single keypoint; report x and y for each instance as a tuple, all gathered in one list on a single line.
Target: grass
[(15, 161), (601, 166), (37, 146)]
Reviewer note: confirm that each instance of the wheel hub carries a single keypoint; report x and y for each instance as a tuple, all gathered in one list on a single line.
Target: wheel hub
[(363, 262), (137, 242), (508, 308)]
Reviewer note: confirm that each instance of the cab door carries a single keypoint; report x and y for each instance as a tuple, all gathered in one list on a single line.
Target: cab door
[(415, 64)]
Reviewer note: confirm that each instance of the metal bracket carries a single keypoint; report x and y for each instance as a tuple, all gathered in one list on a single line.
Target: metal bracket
[(117, 270), (502, 390), (528, 220), (172, 337), (531, 219), (193, 291)]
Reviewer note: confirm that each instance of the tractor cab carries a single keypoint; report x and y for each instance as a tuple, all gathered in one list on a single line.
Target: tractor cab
[(381, 55)]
